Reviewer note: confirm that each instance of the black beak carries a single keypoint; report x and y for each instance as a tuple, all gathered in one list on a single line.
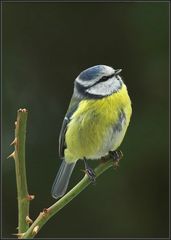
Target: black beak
[(117, 71)]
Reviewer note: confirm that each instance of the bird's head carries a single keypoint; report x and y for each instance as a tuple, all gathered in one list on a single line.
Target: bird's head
[(97, 82)]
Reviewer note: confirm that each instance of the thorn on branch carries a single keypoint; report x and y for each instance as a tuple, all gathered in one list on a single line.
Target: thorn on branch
[(30, 197), (14, 142), (29, 220), (35, 230), (12, 155), (45, 211), (19, 235)]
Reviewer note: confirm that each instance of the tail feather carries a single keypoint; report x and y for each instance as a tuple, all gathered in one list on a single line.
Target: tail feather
[(62, 179)]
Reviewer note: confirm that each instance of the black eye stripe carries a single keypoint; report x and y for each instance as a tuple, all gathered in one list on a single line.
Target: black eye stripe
[(81, 87), (105, 78)]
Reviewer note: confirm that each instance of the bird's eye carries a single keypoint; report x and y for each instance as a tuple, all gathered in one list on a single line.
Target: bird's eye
[(104, 78)]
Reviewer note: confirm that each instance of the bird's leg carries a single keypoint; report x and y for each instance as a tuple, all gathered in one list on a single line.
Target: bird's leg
[(116, 156), (90, 172)]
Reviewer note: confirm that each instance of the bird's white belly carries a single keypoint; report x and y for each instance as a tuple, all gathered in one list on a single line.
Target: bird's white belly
[(111, 141)]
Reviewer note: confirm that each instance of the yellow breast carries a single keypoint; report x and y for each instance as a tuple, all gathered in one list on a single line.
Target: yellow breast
[(92, 124)]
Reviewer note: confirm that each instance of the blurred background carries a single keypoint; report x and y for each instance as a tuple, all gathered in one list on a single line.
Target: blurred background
[(45, 47)]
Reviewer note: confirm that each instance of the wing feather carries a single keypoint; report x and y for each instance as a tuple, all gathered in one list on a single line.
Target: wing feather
[(71, 109)]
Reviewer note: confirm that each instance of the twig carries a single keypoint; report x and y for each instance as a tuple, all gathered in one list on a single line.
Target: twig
[(19, 157), (24, 231), (47, 213)]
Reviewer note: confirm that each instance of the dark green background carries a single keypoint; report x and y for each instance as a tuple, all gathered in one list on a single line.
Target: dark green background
[(45, 47)]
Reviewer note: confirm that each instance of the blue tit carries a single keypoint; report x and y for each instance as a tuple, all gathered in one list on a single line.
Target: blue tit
[(95, 123)]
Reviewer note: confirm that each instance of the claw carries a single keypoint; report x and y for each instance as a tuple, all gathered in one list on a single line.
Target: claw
[(90, 172), (116, 155), (116, 164)]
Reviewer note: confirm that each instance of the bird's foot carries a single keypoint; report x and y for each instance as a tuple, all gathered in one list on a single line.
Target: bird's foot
[(90, 172), (116, 155)]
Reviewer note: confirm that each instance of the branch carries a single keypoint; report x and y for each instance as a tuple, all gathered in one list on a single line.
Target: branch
[(56, 207), (19, 157), (24, 231)]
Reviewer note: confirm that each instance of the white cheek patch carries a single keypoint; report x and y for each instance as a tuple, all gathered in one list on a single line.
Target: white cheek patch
[(105, 88)]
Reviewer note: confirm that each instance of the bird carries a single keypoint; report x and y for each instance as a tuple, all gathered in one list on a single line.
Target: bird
[(95, 123)]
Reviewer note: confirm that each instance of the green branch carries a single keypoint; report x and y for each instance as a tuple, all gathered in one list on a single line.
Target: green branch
[(19, 157), (24, 231), (56, 207)]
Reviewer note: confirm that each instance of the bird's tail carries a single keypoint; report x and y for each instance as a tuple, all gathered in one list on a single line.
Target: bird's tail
[(62, 179)]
